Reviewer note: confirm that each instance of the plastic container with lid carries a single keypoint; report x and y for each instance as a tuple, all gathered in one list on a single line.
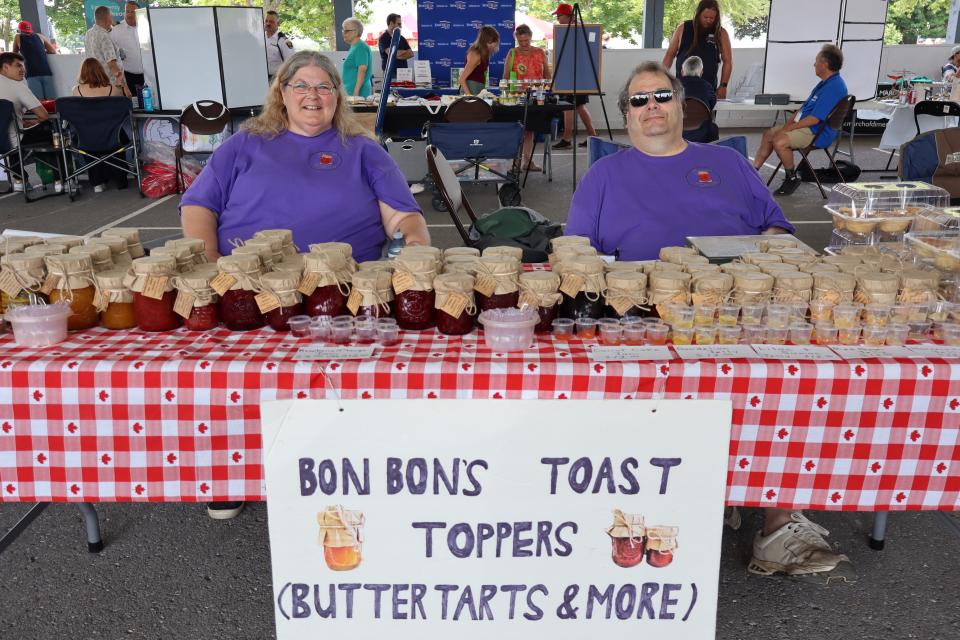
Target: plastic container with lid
[(372, 294), (497, 283), (414, 297), (39, 325), (282, 287), (151, 280), (203, 313), (508, 329), (131, 235), (72, 279), (118, 248), (454, 292), (116, 301), (867, 212), (540, 290), (325, 283), (100, 256), (238, 305)]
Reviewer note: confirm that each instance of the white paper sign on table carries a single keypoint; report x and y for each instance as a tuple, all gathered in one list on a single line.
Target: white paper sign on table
[(405, 74), (422, 73), (794, 352), (934, 350), (320, 352), (863, 352), (510, 541), (714, 351), (600, 353)]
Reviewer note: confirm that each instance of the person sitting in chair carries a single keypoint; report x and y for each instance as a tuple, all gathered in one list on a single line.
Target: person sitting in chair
[(15, 89), (694, 86), (800, 132)]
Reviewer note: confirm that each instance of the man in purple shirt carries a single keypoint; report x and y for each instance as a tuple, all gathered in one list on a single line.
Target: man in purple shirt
[(663, 188), (656, 193)]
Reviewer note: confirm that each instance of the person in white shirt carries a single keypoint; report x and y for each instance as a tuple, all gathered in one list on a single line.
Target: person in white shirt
[(279, 47), (99, 45), (15, 89), (124, 35)]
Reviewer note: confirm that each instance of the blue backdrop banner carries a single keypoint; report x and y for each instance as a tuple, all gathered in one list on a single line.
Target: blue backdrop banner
[(446, 28)]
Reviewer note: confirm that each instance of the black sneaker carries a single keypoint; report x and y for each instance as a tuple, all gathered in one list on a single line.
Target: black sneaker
[(224, 510), (789, 186), (583, 145), (563, 144)]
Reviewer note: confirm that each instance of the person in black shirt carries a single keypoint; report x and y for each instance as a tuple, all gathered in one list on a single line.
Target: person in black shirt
[(694, 86), (403, 49), (703, 37)]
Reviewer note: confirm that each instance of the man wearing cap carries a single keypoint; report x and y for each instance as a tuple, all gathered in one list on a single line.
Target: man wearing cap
[(34, 48), (125, 36), (564, 13)]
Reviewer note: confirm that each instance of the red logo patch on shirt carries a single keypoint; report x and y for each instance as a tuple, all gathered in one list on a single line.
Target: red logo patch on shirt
[(702, 178), (324, 160)]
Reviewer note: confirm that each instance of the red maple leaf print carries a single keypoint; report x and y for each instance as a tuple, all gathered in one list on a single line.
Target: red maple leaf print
[(74, 489), (73, 365), (137, 427), (744, 463), (664, 369), (835, 497), (941, 468), (5, 365), (271, 366), (725, 369), (848, 434), (204, 364), (400, 366), (37, 395), (497, 396), (809, 466), (237, 456), (754, 401), (137, 365), (334, 366), (901, 496), (783, 433), (432, 396), (875, 467), (531, 367), (202, 427), (562, 396), (6, 427), (103, 395), (301, 395), (105, 458), (859, 370), (169, 395), (821, 402), (234, 397), (887, 403), (914, 435), (10, 488), (72, 427), (204, 487), (925, 371), (171, 458), (771, 494), (954, 404), (792, 369), (465, 366), (139, 489), (366, 395), (41, 458), (598, 368)]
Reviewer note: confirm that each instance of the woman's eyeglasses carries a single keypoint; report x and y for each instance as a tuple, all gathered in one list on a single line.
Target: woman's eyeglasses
[(660, 95), (302, 89)]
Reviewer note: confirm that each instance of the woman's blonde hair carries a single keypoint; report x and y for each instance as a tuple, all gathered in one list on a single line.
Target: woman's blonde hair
[(486, 35), (273, 120)]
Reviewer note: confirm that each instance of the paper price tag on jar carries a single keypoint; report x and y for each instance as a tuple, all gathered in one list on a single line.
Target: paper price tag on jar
[(222, 283), (155, 287), (402, 281), (183, 305), (454, 305), (485, 284), (9, 283), (353, 302), (572, 284), (267, 301), (309, 283)]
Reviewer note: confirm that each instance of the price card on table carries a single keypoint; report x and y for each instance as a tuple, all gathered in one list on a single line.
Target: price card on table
[(794, 352), (858, 352), (714, 351), (625, 354), (934, 351), (319, 352)]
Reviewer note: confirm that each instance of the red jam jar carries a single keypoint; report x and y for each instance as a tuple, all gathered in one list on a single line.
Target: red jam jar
[(283, 286), (661, 543), (203, 318), (627, 537), (373, 293), (414, 300), (326, 301), (154, 294), (203, 314), (587, 302), (627, 552), (455, 289), (539, 289), (329, 272), (238, 305), (500, 272)]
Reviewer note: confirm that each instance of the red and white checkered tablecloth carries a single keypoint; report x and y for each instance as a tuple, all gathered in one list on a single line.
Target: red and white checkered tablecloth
[(130, 416)]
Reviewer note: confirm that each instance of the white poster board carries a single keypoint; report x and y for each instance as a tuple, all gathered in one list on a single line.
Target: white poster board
[(488, 519), (244, 55)]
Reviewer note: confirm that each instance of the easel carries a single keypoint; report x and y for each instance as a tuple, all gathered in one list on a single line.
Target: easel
[(576, 20)]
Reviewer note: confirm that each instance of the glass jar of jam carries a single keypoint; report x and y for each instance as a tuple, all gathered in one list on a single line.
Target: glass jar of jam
[(100, 255), (154, 294), (131, 235), (422, 251), (497, 283), (625, 295), (285, 236), (282, 286), (627, 538), (116, 301), (372, 294), (239, 310), (326, 276), (262, 251), (341, 534), (511, 252), (119, 252), (661, 545), (270, 246), (455, 290), (414, 297), (539, 289), (713, 288), (666, 287), (582, 285), (180, 253), (342, 248), (74, 282), (460, 264), (196, 246), (68, 241), (30, 272), (203, 313)]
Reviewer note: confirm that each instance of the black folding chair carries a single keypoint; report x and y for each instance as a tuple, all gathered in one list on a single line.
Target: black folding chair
[(6, 149), (938, 108), (203, 117), (834, 121), (698, 123), (95, 126)]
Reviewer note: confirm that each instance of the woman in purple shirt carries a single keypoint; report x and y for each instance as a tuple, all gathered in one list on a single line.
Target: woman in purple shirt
[(304, 164)]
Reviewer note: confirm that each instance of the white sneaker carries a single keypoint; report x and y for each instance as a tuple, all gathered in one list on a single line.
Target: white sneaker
[(99, 188), (17, 186), (796, 548)]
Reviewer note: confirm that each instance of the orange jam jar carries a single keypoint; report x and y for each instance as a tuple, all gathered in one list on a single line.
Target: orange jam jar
[(116, 301), (72, 278), (341, 534)]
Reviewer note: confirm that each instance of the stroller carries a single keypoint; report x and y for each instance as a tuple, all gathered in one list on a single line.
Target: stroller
[(481, 152)]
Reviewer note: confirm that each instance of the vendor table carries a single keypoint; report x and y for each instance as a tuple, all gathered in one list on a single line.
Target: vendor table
[(404, 117), (132, 416), (901, 126)]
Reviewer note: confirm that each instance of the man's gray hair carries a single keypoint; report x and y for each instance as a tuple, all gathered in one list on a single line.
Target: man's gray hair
[(692, 66), (354, 24), (650, 66)]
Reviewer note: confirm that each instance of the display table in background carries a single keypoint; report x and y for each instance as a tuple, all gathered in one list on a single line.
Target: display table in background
[(408, 117)]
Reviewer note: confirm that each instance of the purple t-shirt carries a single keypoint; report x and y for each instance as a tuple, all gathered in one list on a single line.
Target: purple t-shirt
[(322, 188), (636, 203)]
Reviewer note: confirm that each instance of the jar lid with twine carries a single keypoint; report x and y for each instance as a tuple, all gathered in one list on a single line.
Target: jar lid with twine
[(454, 294), (917, 287), (286, 238), (272, 244), (112, 287), (833, 287), (539, 289), (773, 268), (283, 285), (460, 264), (460, 251), (152, 275), (738, 267), (421, 250), (625, 290), (371, 289), (751, 287), (242, 269), (504, 250), (792, 286), (118, 248), (197, 284), (877, 286), (696, 269), (626, 265), (673, 254), (46, 249), (28, 271), (262, 251), (342, 248), (68, 241), (760, 258), (499, 272), (100, 255), (668, 287), (697, 260), (324, 269), (69, 271), (180, 253), (711, 288), (197, 247), (566, 252), (568, 241), (131, 235), (583, 274), (376, 265), (814, 267), (414, 272), (627, 525)]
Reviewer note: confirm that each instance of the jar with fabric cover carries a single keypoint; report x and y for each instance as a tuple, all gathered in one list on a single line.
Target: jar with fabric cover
[(197, 247), (773, 268), (70, 278), (151, 280), (342, 248), (199, 310), (582, 283), (280, 293), (675, 254), (414, 297), (26, 275), (711, 288), (665, 288), (180, 253), (569, 241), (421, 251), (262, 251), (100, 256), (626, 294), (372, 294), (497, 283), (918, 287), (456, 308), (376, 265), (752, 287), (238, 301), (131, 235), (45, 250), (119, 252), (628, 538), (833, 287), (273, 244), (325, 283), (115, 302), (876, 287), (661, 545), (286, 239), (738, 267), (504, 250), (813, 267), (460, 251), (541, 291), (461, 264), (567, 251), (792, 286), (760, 258), (68, 241)]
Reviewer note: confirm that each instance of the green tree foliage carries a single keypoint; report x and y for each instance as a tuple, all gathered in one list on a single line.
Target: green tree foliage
[(908, 20), (9, 13)]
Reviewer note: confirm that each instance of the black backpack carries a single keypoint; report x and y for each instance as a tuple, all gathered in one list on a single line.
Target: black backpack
[(827, 175)]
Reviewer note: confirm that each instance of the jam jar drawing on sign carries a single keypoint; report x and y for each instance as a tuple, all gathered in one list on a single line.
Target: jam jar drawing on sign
[(341, 534)]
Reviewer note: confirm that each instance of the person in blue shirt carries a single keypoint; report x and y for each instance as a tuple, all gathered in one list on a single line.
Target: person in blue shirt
[(800, 132)]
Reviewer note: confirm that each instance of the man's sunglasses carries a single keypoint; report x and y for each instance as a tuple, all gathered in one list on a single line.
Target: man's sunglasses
[(660, 95)]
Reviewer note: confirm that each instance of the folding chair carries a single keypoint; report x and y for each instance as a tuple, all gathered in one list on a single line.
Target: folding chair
[(96, 125), (448, 186), (695, 113), (205, 118), (938, 108), (834, 121), (30, 148), (468, 109), (6, 149)]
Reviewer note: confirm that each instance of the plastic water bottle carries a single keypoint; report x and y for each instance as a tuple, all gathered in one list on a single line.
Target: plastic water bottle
[(397, 243), (147, 99)]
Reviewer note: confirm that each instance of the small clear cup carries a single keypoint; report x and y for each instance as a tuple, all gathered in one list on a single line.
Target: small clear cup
[(900, 313), (874, 336), (728, 315), (825, 333), (299, 326), (388, 333), (657, 333), (752, 314), (682, 316), (728, 334), (897, 333), (703, 315), (776, 335), (800, 332), (919, 330), (706, 335), (919, 312), (821, 312), (611, 332), (846, 316), (876, 315), (586, 328), (563, 329), (754, 333), (341, 332), (633, 334), (951, 334), (849, 335), (778, 316), (798, 312), (682, 335)]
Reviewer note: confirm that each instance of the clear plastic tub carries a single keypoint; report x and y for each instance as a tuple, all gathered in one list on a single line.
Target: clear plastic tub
[(39, 325), (508, 329), (942, 248), (870, 212)]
